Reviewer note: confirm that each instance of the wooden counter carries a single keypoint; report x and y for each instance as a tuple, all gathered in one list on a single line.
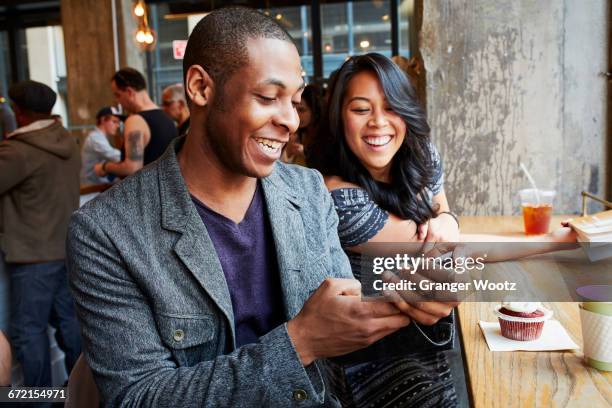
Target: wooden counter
[(526, 379)]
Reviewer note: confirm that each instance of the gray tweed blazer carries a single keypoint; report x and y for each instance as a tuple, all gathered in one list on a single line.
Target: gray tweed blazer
[(155, 309)]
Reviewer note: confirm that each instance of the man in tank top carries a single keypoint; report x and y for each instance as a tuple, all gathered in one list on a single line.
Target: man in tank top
[(148, 131)]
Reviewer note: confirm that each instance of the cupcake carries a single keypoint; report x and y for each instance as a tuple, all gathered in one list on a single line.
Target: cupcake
[(522, 321)]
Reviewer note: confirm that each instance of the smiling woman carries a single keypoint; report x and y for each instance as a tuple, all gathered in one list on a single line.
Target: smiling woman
[(385, 177), (377, 137)]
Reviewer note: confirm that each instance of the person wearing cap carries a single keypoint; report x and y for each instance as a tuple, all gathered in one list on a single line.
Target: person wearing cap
[(39, 191), (148, 130), (175, 106), (97, 148)]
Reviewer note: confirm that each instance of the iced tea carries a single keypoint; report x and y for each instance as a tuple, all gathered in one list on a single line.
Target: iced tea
[(537, 218)]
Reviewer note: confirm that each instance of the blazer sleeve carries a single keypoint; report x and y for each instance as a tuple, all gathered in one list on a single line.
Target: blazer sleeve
[(133, 368), (340, 265)]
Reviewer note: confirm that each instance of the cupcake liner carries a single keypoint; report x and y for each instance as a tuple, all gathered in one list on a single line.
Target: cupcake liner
[(522, 328), (521, 331)]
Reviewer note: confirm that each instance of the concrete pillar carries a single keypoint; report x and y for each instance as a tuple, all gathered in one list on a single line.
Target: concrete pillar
[(512, 81), (88, 39)]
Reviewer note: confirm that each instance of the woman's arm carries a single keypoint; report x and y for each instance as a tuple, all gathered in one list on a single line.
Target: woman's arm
[(561, 239), (394, 230), (397, 230)]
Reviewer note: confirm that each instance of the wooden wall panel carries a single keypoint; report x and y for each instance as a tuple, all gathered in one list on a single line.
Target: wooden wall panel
[(88, 40)]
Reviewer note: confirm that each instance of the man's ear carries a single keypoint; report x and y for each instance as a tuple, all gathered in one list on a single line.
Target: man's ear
[(131, 93), (199, 86)]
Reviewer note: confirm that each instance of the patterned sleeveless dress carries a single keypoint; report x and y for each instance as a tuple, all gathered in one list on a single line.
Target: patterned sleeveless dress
[(416, 380)]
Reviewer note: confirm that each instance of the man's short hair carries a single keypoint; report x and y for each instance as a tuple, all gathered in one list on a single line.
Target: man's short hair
[(177, 91), (218, 42), (32, 96), (129, 77)]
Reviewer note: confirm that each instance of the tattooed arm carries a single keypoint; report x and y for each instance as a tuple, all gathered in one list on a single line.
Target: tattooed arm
[(136, 137)]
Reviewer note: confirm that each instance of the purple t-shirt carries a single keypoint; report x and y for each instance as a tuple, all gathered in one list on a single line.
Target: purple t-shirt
[(248, 258)]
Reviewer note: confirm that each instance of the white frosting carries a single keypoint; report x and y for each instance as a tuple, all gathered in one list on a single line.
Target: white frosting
[(522, 307)]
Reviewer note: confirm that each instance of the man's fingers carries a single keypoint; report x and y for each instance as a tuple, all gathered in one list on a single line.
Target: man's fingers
[(392, 296), (393, 323), (399, 295), (438, 309), (402, 306), (381, 309), (420, 316), (382, 327), (339, 286)]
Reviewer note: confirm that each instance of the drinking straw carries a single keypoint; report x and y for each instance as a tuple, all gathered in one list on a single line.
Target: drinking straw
[(532, 182)]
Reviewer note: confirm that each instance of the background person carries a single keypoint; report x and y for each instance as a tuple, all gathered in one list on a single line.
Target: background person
[(39, 190), (97, 147), (148, 130), (175, 105)]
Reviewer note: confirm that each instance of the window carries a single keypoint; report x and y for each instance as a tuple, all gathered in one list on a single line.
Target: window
[(352, 28)]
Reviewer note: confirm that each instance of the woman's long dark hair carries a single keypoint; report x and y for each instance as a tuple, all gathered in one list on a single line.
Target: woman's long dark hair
[(412, 168)]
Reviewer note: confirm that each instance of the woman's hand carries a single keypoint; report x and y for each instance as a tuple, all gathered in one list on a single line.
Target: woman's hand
[(443, 228), (564, 234)]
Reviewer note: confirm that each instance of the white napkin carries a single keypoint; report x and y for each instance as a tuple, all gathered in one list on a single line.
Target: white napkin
[(554, 337)]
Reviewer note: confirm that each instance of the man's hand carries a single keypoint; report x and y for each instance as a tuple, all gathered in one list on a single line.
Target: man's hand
[(443, 228), (427, 313), (335, 321), (419, 308)]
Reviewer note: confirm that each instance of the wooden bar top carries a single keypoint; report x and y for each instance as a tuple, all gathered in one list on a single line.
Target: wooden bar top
[(526, 379)]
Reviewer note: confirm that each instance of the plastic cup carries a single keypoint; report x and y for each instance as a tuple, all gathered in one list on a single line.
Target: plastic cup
[(537, 210), (596, 322)]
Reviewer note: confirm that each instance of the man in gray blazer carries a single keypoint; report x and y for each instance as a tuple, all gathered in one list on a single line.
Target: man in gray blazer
[(214, 276)]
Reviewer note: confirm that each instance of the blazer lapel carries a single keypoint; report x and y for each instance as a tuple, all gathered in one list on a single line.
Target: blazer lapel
[(289, 239), (194, 247)]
